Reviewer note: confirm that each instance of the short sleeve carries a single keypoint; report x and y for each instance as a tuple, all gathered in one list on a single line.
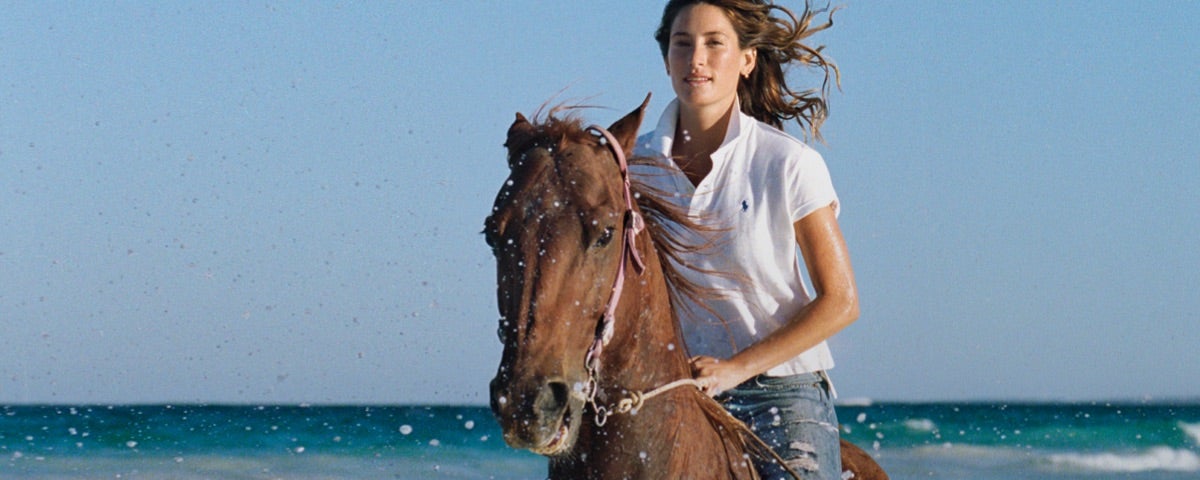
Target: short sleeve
[(809, 186)]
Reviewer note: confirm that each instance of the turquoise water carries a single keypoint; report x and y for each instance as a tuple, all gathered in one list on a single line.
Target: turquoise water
[(937, 440)]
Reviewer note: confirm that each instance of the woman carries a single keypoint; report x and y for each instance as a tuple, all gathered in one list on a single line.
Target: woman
[(760, 347)]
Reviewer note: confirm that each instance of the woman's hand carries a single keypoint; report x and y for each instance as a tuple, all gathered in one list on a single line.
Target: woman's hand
[(716, 375)]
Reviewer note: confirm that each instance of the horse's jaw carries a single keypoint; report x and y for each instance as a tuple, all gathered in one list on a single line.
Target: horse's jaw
[(566, 435)]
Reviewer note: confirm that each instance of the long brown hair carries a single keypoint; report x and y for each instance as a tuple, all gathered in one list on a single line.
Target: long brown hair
[(779, 40)]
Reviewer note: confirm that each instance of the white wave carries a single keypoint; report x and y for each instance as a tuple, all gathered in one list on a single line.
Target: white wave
[(854, 402), (920, 425), (1154, 459), (1192, 430)]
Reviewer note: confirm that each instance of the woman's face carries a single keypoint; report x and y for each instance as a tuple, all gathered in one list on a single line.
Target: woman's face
[(704, 59)]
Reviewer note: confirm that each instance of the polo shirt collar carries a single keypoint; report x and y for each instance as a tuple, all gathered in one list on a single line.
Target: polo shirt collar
[(664, 132)]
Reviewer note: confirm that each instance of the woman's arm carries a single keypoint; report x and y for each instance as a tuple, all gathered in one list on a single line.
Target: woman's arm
[(834, 308)]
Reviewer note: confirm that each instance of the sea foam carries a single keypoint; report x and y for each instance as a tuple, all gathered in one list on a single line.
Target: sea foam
[(920, 425), (1154, 459), (1192, 430)]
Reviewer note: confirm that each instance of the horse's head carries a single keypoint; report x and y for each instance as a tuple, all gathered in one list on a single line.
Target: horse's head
[(556, 232)]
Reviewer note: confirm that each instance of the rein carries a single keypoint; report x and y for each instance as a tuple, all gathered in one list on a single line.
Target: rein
[(633, 224)]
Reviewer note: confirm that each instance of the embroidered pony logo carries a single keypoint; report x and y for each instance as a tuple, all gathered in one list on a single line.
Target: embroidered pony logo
[(745, 206)]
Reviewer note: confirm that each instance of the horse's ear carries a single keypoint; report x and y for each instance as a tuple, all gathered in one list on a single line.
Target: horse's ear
[(625, 129), (519, 134)]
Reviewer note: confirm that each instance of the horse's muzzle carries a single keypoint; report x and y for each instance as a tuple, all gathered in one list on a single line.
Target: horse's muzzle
[(537, 416)]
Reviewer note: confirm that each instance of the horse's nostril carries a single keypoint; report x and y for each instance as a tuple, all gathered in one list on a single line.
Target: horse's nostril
[(552, 398)]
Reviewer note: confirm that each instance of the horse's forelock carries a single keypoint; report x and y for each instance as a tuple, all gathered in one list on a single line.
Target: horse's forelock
[(559, 126)]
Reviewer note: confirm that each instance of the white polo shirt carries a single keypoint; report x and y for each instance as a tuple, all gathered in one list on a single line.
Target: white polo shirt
[(762, 181)]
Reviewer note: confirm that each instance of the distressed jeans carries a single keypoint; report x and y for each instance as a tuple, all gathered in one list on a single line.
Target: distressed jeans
[(794, 415)]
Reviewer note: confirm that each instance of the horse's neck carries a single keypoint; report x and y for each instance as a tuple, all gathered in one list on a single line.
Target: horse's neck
[(670, 436), (647, 350)]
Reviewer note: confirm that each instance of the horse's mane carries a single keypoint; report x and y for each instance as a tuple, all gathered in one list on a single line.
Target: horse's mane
[(670, 229)]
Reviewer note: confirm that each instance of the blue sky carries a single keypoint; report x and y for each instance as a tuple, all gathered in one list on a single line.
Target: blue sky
[(260, 202)]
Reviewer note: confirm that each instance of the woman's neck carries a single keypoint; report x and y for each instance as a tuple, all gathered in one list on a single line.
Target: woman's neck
[(700, 131)]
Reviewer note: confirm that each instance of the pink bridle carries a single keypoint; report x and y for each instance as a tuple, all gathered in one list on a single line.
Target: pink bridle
[(633, 224)]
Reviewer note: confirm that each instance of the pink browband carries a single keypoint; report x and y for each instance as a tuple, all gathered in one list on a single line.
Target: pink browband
[(633, 225)]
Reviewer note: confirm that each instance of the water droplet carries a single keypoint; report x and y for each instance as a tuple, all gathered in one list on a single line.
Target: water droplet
[(405, 429), (469, 425), (131, 444)]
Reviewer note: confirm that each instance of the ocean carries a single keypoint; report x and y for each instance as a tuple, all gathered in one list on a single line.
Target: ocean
[(1151, 441)]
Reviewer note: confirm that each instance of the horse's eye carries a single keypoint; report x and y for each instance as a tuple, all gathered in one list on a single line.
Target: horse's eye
[(605, 237), (489, 235), (502, 330), (495, 241)]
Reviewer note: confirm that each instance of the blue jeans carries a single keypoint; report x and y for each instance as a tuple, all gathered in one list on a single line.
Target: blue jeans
[(795, 416)]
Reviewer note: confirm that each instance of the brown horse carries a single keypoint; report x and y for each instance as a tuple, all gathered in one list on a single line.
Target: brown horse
[(564, 230)]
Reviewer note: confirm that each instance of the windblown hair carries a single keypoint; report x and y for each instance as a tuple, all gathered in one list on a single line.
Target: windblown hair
[(780, 40)]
